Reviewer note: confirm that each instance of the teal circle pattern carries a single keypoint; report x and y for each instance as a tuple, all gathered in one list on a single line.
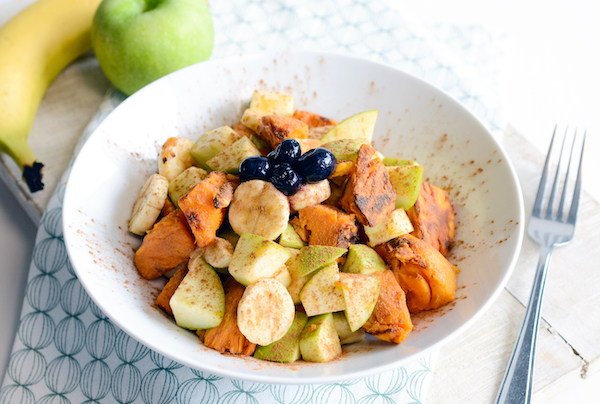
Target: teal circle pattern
[(43, 292), (198, 391), (95, 380), (159, 386), (69, 337), (73, 298), (27, 367), (52, 222), (100, 339), (300, 394), (36, 330), (16, 394), (125, 384), (50, 255), (63, 374)]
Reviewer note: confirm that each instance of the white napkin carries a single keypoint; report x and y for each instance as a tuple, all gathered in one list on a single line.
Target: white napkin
[(67, 350)]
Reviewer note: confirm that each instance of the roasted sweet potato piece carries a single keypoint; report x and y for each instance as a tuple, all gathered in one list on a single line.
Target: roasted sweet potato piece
[(426, 276), (205, 206), (369, 193), (390, 320), (226, 337), (242, 129), (325, 225), (432, 217), (167, 208), (313, 120), (166, 246), (274, 129), (168, 291)]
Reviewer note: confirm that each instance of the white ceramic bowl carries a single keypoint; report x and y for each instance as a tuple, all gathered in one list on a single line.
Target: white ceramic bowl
[(416, 121)]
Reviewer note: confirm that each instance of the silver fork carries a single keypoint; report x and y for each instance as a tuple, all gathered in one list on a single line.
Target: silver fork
[(549, 228)]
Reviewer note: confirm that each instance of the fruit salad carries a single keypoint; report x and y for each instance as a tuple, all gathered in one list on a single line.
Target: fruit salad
[(286, 235)]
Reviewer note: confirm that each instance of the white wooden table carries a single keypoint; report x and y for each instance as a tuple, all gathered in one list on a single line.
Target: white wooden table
[(541, 92)]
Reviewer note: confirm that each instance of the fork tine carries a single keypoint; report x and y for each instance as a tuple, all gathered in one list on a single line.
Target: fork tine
[(563, 197), (539, 198), (550, 208), (577, 191)]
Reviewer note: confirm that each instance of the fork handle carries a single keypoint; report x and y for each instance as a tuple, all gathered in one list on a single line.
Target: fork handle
[(516, 386)]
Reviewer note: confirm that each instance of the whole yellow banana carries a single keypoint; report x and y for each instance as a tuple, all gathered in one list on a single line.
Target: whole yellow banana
[(35, 46)]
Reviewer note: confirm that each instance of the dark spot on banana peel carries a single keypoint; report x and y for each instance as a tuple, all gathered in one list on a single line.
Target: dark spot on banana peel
[(33, 176)]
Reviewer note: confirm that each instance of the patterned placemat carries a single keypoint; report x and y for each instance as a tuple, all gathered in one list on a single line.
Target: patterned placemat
[(67, 351)]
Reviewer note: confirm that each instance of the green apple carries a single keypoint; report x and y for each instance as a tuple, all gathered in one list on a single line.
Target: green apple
[(321, 295), (139, 41), (287, 349), (406, 181), (319, 341), (394, 225), (313, 257), (297, 280), (345, 149), (347, 336), (185, 181), (363, 259), (255, 257), (229, 160), (359, 126), (212, 143), (360, 293), (289, 238), (199, 301), (272, 103)]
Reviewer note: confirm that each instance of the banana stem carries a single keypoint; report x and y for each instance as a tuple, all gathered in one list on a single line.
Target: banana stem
[(18, 149)]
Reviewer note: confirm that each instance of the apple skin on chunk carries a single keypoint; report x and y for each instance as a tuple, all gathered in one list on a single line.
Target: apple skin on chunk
[(360, 293), (313, 257), (359, 126), (319, 341), (199, 301), (287, 349), (346, 335), (255, 257), (211, 143), (289, 238), (395, 225), (363, 259), (406, 182), (320, 294)]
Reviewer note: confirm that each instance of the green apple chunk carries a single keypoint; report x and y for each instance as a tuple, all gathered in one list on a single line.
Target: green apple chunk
[(185, 181), (319, 341), (283, 276), (287, 349), (273, 103), (212, 143), (360, 293), (229, 160), (139, 41), (345, 149), (320, 294), (363, 259), (199, 301), (255, 257), (297, 280), (347, 336), (289, 238), (391, 161), (359, 126), (313, 257), (406, 181), (395, 225)]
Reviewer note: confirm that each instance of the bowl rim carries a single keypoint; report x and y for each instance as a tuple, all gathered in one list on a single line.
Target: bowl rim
[(243, 375)]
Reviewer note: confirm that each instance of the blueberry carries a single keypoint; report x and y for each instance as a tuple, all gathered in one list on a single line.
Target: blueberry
[(255, 168), (285, 179), (315, 165), (288, 151)]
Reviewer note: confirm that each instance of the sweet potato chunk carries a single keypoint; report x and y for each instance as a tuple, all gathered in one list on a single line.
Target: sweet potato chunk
[(166, 246), (242, 129), (369, 193), (274, 129), (313, 120), (226, 337), (390, 320), (432, 217), (205, 206), (426, 276), (168, 291), (167, 208), (325, 225)]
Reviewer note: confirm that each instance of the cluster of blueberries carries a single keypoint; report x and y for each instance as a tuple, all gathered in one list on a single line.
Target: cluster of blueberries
[(287, 168)]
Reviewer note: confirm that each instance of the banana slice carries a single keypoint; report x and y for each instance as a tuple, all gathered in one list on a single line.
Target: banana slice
[(175, 157), (309, 195), (259, 208), (265, 311), (149, 203)]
